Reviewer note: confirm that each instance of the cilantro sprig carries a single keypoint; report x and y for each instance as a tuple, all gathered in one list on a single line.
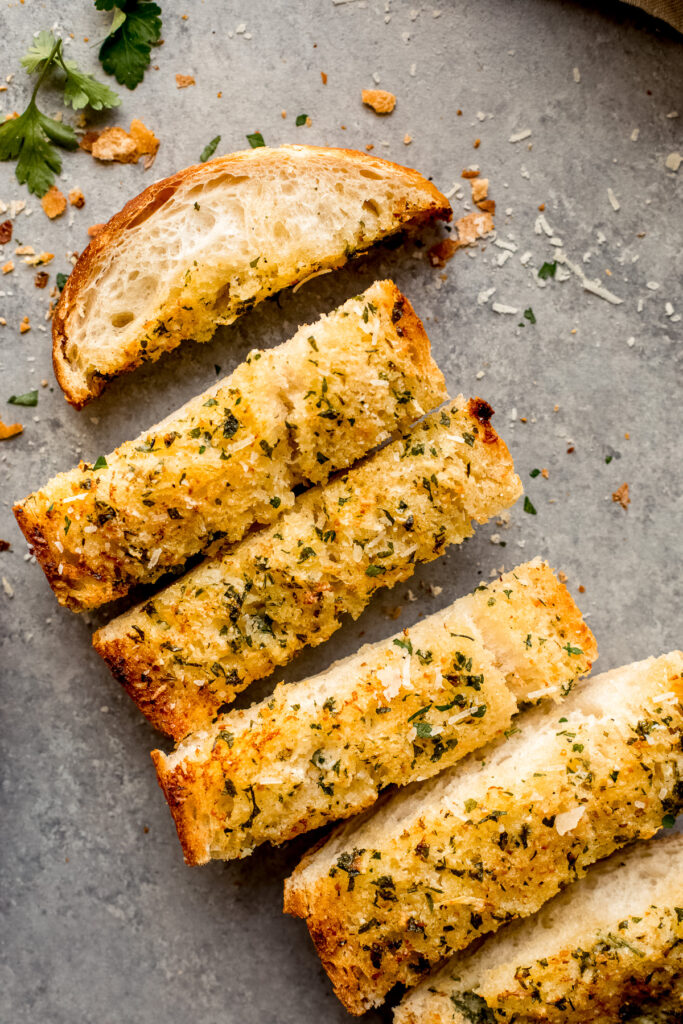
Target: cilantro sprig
[(135, 28), (31, 138)]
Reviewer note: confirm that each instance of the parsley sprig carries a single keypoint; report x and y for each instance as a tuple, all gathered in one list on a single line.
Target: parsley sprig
[(31, 138), (135, 28)]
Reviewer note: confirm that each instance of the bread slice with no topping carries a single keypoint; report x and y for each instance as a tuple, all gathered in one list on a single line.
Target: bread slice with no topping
[(185, 653), (592, 955), (442, 862), (231, 458), (199, 248), (398, 711)]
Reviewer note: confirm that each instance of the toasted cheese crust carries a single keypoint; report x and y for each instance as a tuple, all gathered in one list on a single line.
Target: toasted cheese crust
[(492, 839), (187, 651), (398, 711), (593, 955), (231, 458), (199, 248)]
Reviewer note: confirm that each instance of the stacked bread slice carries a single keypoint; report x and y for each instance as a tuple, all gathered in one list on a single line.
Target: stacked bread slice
[(400, 710), (445, 861), (597, 952)]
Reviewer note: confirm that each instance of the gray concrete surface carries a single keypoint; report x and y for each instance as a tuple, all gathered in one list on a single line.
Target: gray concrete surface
[(102, 922)]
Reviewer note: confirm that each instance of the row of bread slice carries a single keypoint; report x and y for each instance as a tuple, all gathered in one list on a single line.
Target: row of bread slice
[(334, 392), (438, 864)]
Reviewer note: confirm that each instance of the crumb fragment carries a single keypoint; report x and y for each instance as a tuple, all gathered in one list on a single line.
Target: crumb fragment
[(443, 251), (53, 202), (95, 229), (323, 77), (8, 430), (621, 496), (407, 139), (145, 140), (183, 81), (470, 172), (5, 232), (381, 101), (24, 326), (39, 259), (562, 576), (76, 198), (480, 189), (545, 474), (41, 279), (8, 267), (474, 226), (673, 162), (115, 144), (5, 544), (476, 144), (487, 205), (88, 140)]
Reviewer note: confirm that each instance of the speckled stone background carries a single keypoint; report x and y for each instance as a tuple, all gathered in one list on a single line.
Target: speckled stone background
[(101, 920)]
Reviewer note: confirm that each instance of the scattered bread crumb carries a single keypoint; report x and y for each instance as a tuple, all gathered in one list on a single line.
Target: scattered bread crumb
[(443, 251), (115, 144), (39, 259), (480, 189), (621, 496), (5, 232), (582, 589), (545, 474), (8, 430), (283, 114), (76, 198), (474, 226), (407, 139), (8, 267), (470, 172), (323, 77), (88, 140), (5, 544), (369, 147), (41, 279), (562, 576), (381, 101), (53, 203), (145, 140), (183, 81), (24, 326), (476, 144), (24, 250), (487, 206)]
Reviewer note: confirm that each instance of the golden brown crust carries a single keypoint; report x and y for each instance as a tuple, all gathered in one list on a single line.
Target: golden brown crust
[(184, 654), (152, 198)]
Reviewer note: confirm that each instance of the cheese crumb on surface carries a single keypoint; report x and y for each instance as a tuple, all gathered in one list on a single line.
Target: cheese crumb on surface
[(520, 136), (673, 161)]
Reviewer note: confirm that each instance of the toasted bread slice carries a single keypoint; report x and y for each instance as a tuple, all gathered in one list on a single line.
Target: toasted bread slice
[(205, 245), (185, 654), (493, 838), (231, 458), (398, 711), (593, 955)]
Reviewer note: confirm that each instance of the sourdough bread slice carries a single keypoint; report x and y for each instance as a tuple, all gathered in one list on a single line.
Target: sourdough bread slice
[(398, 711), (443, 862), (593, 955), (231, 458), (203, 246), (186, 652)]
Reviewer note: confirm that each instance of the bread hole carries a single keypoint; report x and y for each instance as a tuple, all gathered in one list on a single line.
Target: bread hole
[(222, 297), (122, 319), (372, 175), (152, 206)]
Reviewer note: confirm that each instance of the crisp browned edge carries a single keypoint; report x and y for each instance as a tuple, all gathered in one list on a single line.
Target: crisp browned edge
[(156, 194), (412, 335), (173, 790), (31, 527)]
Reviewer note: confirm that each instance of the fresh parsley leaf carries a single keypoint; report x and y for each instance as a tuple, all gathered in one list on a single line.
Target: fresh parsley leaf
[(547, 270), (29, 138), (571, 650), (528, 507), (301, 119), (534, 473), (101, 462), (30, 398), (255, 140), (135, 28), (209, 149), (61, 280), (668, 821), (529, 315)]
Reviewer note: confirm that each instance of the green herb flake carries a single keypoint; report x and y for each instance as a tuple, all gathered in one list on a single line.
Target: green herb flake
[(534, 473), (668, 821), (375, 570), (528, 507), (30, 398), (208, 151), (276, 502), (255, 140), (301, 120), (61, 280), (529, 315), (101, 462), (547, 270)]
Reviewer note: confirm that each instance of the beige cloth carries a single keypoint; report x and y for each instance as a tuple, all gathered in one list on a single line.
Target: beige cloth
[(668, 10)]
